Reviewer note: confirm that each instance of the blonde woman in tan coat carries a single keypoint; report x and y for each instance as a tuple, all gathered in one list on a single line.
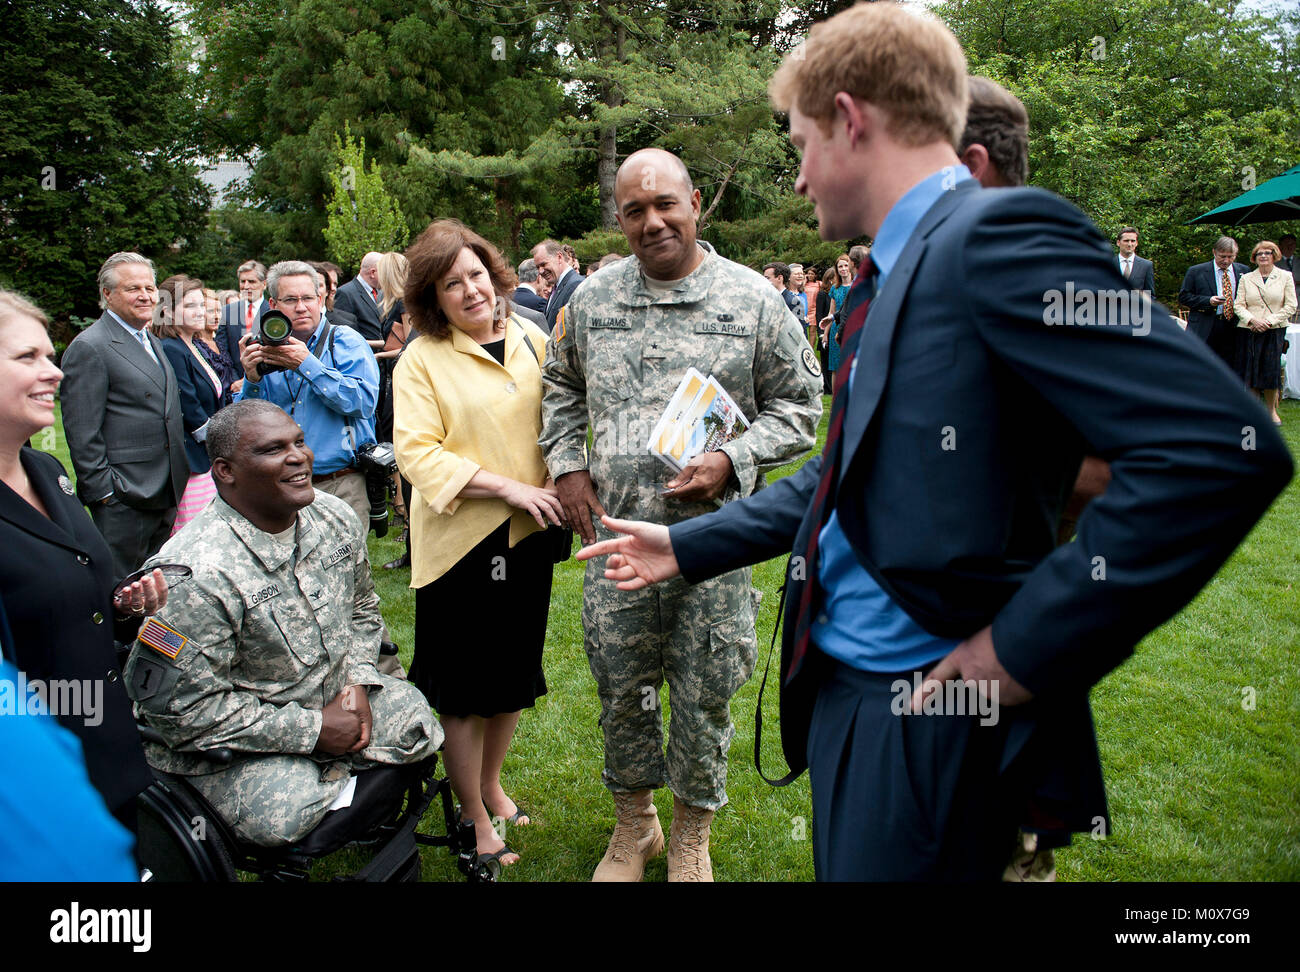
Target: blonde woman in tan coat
[(1265, 301)]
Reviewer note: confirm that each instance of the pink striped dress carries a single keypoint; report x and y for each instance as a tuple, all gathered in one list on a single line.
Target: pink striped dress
[(200, 488)]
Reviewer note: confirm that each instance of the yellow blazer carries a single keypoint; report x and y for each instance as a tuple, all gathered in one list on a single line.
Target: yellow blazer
[(1273, 300), (455, 411)]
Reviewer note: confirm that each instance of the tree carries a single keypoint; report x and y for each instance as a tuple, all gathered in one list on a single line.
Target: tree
[(362, 215), (94, 145), (451, 98), (1144, 112)]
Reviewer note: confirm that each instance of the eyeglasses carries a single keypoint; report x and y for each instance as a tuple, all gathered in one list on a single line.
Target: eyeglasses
[(297, 300)]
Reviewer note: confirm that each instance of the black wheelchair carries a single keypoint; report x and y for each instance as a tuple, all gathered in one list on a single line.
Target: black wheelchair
[(182, 838)]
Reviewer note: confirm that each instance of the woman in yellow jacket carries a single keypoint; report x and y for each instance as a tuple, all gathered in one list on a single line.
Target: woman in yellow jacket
[(467, 396), (1264, 303)]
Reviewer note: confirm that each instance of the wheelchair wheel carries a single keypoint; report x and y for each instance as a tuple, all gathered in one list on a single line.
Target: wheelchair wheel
[(179, 840)]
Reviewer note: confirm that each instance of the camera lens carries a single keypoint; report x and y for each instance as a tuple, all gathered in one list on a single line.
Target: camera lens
[(275, 329)]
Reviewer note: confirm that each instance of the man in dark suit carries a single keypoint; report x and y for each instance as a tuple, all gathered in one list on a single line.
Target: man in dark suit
[(1207, 291), (777, 275), (122, 417), (555, 266), (1288, 261), (965, 402), (240, 317), (526, 293), (1140, 273), (359, 298)]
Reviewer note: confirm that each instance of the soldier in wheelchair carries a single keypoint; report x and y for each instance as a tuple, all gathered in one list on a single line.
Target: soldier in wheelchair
[(257, 682)]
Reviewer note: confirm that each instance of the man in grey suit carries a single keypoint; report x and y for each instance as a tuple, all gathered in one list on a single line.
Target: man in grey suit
[(1140, 273), (122, 417), (553, 263), (360, 297), (526, 293), (1289, 262)]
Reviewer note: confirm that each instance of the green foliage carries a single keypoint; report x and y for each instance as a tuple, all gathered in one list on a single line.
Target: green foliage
[(362, 215), (96, 147), (1145, 112), (460, 124), (787, 231), (597, 243)]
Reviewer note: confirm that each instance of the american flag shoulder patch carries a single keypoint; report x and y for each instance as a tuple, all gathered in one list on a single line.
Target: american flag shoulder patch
[(560, 327), (160, 638)]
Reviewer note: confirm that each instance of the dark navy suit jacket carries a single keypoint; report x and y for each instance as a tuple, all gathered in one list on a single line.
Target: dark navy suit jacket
[(1199, 285), (199, 400), (528, 298), (560, 296), (56, 582), (965, 429)]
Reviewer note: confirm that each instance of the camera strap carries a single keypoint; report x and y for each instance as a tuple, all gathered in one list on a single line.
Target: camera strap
[(326, 334)]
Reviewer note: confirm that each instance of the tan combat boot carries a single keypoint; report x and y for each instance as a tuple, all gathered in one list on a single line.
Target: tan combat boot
[(637, 838), (688, 845)]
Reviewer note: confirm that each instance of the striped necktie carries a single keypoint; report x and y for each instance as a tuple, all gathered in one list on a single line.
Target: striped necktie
[(856, 306)]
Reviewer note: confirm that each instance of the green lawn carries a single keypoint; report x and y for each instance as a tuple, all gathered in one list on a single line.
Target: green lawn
[(1202, 787)]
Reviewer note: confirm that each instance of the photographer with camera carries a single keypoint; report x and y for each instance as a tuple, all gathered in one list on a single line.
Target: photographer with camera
[(324, 376)]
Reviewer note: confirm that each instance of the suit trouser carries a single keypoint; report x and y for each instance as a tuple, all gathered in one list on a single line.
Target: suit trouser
[(279, 799), (132, 535), (1223, 340), (905, 797)]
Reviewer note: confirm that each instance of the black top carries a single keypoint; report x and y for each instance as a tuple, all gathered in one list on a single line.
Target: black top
[(56, 581), (497, 349), (392, 317), (823, 303)]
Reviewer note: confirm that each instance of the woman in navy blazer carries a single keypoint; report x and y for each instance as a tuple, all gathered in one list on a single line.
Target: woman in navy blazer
[(56, 575), (199, 386)]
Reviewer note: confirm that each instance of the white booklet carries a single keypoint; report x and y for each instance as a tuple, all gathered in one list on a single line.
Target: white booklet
[(700, 417)]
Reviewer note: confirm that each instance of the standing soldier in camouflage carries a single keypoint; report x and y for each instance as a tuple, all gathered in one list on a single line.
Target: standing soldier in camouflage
[(269, 649), (616, 356)]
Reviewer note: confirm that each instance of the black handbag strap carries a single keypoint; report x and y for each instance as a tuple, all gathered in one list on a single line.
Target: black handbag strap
[(523, 333), (758, 708)]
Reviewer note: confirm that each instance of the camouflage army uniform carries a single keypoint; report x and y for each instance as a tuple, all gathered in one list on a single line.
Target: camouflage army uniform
[(265, 635), (614, 360)]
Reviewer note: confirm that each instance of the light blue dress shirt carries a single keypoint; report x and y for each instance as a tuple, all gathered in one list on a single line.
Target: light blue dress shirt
[(138, 335), (335, 405), (859, 623)]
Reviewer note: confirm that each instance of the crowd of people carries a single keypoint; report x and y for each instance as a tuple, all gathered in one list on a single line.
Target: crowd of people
[(240, 437)]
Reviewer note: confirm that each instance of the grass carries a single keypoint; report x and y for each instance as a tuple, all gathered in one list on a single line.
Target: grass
[(1201, 786)]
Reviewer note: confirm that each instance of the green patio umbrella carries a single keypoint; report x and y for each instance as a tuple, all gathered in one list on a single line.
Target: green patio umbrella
[(1277, 199)]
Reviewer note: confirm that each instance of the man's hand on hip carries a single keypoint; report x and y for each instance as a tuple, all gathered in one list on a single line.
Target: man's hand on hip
[(704, 478), (973, 660), (578, 497)]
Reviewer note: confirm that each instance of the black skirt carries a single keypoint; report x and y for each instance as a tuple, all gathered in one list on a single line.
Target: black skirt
[(1258, 357), (480, 627)]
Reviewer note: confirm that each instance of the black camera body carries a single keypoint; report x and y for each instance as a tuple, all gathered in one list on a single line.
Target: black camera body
[(378, 462), (274, 330)]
